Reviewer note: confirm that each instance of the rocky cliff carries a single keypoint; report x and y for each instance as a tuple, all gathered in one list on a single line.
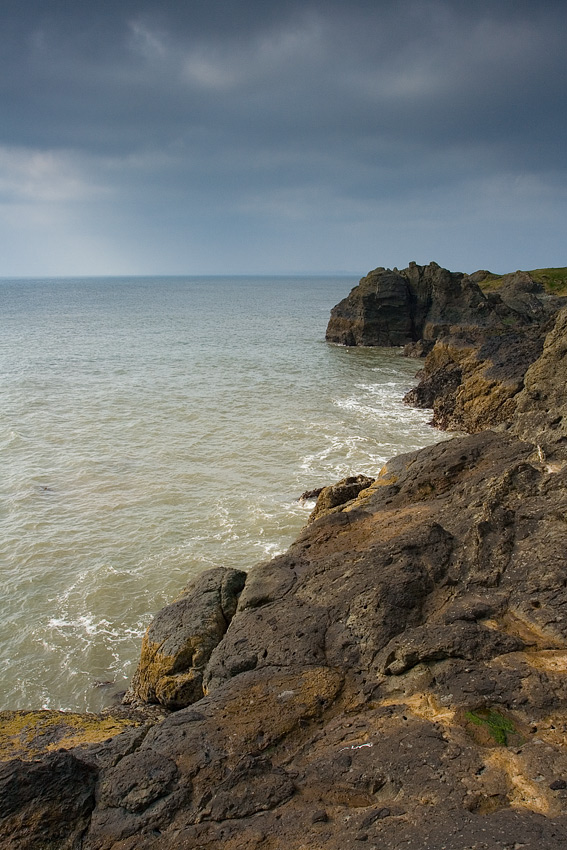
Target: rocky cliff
[(425, 303), (477, 345), (398, 678)]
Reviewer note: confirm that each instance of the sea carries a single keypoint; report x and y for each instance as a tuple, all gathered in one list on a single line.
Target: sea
[(152, 428)]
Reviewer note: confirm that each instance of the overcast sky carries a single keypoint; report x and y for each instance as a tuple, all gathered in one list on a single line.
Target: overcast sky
[(248, 136)]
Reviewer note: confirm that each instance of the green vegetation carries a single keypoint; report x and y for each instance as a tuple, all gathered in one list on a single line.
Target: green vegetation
[(553, 281), (491, 283), (494, 722)]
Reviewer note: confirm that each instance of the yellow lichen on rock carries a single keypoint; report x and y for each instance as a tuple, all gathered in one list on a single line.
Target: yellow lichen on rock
[(27, 734)]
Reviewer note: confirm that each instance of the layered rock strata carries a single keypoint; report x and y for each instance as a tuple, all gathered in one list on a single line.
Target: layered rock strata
[(398, 678)]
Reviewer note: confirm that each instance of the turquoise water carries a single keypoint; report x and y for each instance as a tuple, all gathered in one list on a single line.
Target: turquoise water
[(151, 428)]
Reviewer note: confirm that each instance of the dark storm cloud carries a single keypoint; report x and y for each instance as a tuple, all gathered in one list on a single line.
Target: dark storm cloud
[(207, 130)]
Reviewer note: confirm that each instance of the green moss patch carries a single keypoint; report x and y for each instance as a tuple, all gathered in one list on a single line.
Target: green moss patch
[(500, 728), (553, 280)]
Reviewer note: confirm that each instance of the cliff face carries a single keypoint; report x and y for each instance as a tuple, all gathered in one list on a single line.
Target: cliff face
[(395, 308), (398, 677), (541, 410), (477, 345)]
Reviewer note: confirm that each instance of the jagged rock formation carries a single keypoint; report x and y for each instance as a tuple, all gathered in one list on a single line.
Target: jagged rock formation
[(428, 302), (477, 345), (398, 677), (394, 308)]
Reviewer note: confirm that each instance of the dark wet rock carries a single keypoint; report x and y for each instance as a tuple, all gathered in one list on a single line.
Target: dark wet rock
[(419, 349), (179, 641), (400, 307), (45, 804), (310, 494), (377, 312)]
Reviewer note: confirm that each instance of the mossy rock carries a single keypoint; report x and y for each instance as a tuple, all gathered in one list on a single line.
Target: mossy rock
[(28, 734), (553, 280), (490, 727)]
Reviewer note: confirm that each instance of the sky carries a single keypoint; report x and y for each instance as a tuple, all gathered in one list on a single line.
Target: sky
[(248, 137)]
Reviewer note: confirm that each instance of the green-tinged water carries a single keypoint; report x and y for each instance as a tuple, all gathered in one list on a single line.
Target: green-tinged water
[(151, 428)]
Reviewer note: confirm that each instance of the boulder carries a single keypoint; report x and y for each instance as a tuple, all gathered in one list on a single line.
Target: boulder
[(178, 643), (328, 498)]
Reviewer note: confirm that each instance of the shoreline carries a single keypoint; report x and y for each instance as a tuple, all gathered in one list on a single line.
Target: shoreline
[(397, 676)]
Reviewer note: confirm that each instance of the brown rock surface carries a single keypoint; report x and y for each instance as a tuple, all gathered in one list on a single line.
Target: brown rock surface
[(471, 379)]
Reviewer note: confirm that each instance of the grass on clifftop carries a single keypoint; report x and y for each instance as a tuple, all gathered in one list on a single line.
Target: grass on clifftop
[(553, 281)]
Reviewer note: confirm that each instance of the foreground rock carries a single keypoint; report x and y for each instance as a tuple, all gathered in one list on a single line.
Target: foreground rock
[(181, 638)]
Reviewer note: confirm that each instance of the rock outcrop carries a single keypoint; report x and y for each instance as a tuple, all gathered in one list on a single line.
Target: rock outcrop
[(178, 643), (397, 678), (477, 345), (424, 303), (399, 307), (331, 497)]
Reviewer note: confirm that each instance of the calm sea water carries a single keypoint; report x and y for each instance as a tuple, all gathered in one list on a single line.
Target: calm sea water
[(151, 428)]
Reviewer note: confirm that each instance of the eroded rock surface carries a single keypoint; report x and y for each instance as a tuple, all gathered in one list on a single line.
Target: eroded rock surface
[(542, 405)]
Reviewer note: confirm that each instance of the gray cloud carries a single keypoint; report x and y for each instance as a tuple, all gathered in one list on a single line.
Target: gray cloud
[(260, 137)]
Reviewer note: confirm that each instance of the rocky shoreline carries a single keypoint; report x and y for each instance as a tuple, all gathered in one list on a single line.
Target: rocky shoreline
[(397, 678)]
